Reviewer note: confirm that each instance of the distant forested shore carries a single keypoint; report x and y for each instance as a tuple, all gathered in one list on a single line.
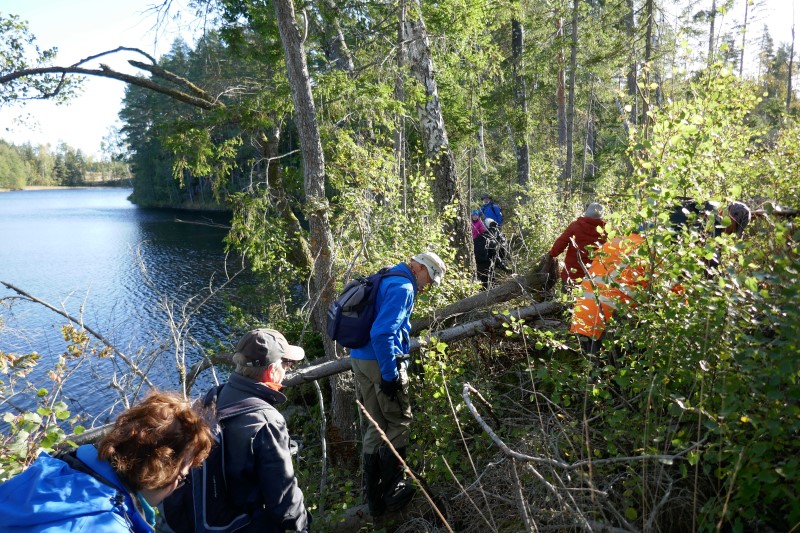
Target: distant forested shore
[(26, 166)]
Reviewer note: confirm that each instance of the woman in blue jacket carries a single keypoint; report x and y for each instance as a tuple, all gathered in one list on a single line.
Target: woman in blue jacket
[(115, 485)]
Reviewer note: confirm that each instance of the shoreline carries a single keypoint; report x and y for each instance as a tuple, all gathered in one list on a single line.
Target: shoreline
[(59, 187)]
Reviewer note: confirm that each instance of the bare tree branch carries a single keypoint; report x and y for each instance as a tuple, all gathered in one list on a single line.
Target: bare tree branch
[(551, 462), (133, 366), (105, 71)]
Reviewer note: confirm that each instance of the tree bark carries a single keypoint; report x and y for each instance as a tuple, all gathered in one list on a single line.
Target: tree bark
[(573, 66), (789, 75), (648, 54), (630, 26), (521, 147), (561, 107), (269, 144), (342, 394), (400, 122), (336, 49), (446, 193), (711, 31), (744, 36)]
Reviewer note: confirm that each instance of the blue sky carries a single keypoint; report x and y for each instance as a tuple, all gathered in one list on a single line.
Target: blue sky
[(80, 28)]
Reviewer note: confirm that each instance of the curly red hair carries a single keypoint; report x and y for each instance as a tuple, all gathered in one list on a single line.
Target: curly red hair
[(153, 441)]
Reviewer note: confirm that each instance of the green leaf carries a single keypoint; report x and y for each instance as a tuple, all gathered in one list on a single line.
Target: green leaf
[(631, 513)]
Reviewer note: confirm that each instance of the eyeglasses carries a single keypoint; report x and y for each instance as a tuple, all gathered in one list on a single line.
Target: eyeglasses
[(182, 479), (287, 364)]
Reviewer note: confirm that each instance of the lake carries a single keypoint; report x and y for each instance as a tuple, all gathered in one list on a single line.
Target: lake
[(93, 254)]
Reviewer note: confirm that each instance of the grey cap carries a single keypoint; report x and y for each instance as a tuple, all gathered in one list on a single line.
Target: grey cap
[(593, 210), (264, 346)]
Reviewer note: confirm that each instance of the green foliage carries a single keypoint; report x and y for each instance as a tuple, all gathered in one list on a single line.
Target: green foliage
[(46, 425), (26, 165), (19, 51)]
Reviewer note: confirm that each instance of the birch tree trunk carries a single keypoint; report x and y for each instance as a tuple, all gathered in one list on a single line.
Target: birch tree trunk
[(342, 394), (711, 31), (648, 54), (744, 36), (446, 192), (789, 74), (400, 121)]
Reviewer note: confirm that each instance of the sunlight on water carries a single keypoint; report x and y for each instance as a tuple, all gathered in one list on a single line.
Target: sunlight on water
[(90, 252)]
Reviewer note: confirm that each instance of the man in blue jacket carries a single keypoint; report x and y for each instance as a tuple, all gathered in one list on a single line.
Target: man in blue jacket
[(490, 209), (379, 368)]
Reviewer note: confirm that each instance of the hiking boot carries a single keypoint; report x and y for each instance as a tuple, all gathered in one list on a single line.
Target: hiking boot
[(397, 491), (373, 488)]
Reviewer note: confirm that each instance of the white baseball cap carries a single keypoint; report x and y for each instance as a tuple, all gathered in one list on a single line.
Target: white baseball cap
[(434, 264)]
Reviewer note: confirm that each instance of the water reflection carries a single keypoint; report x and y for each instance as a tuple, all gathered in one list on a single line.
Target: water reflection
[(94, 255)]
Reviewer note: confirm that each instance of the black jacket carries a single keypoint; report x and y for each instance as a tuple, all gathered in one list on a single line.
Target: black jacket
[(258, 463)]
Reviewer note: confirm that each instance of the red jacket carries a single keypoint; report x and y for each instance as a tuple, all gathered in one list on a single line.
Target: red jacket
[(584, 230)]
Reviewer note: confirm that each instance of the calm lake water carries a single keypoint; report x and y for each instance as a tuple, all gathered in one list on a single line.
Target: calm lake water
[(90, 252)]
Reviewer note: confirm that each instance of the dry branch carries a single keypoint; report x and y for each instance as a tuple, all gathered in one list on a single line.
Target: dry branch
[(80, 323), (107, 72), (552, 462)]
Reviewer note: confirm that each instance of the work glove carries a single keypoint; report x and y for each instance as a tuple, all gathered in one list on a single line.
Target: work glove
[(391, 388)]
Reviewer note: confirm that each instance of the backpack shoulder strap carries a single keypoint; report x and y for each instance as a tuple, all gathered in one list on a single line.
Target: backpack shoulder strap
[(248, 405), (385, 272)]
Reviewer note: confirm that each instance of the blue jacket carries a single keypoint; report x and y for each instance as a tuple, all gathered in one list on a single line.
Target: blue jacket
[(50, 496), (390, 333), (492, 210)]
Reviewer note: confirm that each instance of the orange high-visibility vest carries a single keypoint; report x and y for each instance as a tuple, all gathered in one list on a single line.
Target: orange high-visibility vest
[(598, 298)]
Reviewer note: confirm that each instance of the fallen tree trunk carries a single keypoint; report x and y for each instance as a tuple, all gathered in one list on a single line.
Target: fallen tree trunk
[(536, 282), (330, 367), (462, 331)]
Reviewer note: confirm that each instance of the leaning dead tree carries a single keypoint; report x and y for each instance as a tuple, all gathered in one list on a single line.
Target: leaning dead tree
[(533, 284)]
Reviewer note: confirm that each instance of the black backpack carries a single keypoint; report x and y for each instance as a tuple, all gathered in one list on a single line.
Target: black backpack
[(204, 502), (350, 316)]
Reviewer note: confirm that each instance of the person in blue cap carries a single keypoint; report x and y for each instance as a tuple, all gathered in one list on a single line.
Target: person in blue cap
[(478, 226), (490, 209)]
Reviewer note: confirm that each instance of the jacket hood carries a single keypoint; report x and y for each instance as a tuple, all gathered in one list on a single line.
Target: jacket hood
[(51, 492), (591, 223)]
